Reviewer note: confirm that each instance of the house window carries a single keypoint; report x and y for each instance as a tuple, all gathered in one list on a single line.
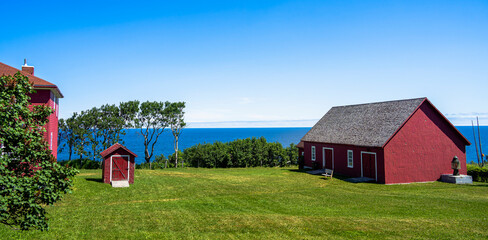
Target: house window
[(51, 143), (350, 160), (313, 153)]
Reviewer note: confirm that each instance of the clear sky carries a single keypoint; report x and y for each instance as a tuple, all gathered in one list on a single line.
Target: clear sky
[(255, 63)]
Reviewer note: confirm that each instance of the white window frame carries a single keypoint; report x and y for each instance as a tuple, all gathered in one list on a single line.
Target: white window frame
[(314, 153), (351, 163)]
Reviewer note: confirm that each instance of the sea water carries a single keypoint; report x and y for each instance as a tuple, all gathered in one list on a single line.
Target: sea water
[(134, 141), (467, 131)]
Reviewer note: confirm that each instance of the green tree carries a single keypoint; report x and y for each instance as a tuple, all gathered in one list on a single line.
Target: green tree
[(177, 123), (81, 131), (152, 119), (68, 135), (128, 112), (110, 125), (30, 177)]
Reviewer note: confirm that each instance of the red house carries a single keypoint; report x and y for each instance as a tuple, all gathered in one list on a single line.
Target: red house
[(46, 94), (391, 142), (118, 164)]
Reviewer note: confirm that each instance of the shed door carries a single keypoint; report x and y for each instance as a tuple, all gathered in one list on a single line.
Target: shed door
[(120, 168), (369, 165)]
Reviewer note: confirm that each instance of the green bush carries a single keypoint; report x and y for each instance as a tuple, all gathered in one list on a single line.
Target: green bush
[(249, 152), (81, 164), (479, 174)]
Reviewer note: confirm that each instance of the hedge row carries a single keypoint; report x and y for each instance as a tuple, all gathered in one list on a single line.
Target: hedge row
[(479, 174)]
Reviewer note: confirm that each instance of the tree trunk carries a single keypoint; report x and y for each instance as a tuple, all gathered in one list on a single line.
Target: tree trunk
[(176, 152), (146, 155)]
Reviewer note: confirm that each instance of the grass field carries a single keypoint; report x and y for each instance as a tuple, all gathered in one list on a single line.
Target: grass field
[(262, 203)]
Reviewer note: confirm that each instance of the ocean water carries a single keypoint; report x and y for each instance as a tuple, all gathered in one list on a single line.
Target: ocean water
[(467, 131), (191, 136)]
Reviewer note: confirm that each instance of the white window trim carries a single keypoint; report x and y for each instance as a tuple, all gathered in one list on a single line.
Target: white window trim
[(314, 153), (323, 156), (352, 159), (375, 164)]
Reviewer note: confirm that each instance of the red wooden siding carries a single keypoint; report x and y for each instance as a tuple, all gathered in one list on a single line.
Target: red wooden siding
[(120, 168), (423, 148), (120, 154), (46, 97), (340, 158)]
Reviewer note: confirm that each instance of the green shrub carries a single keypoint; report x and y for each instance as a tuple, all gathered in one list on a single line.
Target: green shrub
[(81, 164), (479, 174), (249, 152)]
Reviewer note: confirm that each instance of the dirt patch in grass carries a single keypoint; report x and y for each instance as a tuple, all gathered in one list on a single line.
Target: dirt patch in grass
[(86, 174), (170, 174)]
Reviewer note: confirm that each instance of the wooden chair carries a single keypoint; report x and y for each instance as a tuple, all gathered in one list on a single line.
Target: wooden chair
[(328, 173)]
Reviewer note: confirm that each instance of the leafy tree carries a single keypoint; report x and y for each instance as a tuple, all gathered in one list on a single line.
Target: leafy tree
[(30, 177), (128, 112), (110, 126), (176, 123), (68, 137), (152, 119), (82, 133), (89, 120)]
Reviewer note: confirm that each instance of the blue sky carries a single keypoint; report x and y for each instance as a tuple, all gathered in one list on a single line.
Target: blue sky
[(255, 63)]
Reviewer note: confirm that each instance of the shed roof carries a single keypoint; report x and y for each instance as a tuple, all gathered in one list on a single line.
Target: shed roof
[(39, 83), (114, 147), (371, 124)]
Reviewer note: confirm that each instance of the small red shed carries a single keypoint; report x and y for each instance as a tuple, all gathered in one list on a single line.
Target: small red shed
[(118, 164), (391, 142)]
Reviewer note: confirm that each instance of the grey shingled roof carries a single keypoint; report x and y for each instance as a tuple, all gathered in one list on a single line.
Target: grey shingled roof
[(369, 124)]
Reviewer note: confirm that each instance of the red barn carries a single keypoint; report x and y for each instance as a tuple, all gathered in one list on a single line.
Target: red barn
[(118, 164), (391, 142), (46, 94)]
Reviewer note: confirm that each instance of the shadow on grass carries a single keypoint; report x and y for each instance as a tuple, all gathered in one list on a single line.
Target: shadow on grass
[(336, 175), (100, 180)]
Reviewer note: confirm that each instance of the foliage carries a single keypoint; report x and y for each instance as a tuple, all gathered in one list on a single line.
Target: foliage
[(250, 152), (81, 164), (151, 118), (160, 162), (30, 177), (479, 174), (262, 203), (90, 132), (176, 123), (99, 128)]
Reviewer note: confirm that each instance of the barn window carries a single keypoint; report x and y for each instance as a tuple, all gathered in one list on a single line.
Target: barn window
[(350, 160), (313, 153)]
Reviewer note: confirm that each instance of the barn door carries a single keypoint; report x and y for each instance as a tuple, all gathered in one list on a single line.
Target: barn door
[(328, 158), (368, 162), (120, 168)]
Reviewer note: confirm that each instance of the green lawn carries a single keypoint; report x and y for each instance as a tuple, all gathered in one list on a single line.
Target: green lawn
[(262, 203)]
